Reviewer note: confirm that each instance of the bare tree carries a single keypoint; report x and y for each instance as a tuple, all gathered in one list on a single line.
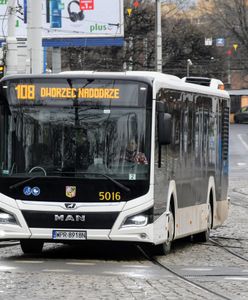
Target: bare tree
[(181, 40), (232, 16), (230, 19)]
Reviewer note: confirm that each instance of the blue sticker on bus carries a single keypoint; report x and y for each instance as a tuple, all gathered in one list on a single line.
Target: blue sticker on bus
[(35, 191), (27, 191)]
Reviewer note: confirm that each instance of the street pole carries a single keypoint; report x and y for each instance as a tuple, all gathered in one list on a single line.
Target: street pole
[(34, 36), (130, 61), (28, 57), (189, 63), (158, 37), (11, 41), (229, 71)]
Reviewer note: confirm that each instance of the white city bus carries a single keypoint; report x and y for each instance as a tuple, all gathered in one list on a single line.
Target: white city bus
[(135, 156)]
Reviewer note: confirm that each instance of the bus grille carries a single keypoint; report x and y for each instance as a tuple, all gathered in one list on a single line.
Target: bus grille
[(76, 220)]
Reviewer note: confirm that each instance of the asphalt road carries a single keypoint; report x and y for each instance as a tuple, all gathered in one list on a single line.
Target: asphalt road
[(121, 271), (238, 152)]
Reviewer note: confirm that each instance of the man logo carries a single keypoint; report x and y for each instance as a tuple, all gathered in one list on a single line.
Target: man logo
[(70, 205), (69, 218), (70, 191)]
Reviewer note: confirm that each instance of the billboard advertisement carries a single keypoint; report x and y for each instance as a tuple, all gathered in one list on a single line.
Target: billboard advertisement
[(70, 18)]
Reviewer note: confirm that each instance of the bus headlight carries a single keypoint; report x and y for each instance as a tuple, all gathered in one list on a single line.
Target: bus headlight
[(138, 220), (7, 218), (141, 219)]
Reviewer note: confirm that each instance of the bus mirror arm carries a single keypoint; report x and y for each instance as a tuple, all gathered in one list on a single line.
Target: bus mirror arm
[(164, 128)]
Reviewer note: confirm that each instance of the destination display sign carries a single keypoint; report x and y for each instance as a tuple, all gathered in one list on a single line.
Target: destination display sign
[(32, 92), (74, 91)]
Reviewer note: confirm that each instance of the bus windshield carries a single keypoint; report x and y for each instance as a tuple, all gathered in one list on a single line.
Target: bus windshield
[(62, 133)]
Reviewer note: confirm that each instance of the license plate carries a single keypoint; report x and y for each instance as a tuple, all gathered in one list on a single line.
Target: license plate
[(69, 235)]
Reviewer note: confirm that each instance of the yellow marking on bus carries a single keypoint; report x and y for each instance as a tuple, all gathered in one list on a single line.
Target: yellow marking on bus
[(87, 93), (28, 92), (95, 93), (46, 92), (25, 91)]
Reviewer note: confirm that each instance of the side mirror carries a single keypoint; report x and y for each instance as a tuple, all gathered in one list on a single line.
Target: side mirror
[(164, 128)]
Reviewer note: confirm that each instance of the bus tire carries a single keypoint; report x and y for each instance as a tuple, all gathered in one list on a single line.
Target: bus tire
[(203, 237), (31, 246)]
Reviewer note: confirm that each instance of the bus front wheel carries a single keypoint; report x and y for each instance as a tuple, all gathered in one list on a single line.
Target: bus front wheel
[(31, 246)]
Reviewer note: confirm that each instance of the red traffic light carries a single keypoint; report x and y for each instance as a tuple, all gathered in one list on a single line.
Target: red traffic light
[(136, 4)]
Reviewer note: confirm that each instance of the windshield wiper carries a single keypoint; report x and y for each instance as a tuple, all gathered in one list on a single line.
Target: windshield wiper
[(16, 185), (120, 185)]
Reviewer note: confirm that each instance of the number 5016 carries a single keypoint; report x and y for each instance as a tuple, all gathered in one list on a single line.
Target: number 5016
[(109, 196)]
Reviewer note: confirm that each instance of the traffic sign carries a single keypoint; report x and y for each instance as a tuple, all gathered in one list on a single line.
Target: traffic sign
[(129, 11), (1, 71), (220, 42), (235, 46), (208, 41)]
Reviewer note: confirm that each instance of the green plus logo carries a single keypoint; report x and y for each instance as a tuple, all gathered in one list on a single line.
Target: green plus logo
[(2, 2), (100, 27), (97, 28)]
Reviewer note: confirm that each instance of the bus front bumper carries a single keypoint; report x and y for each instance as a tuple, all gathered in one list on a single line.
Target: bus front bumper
[(13, 224)]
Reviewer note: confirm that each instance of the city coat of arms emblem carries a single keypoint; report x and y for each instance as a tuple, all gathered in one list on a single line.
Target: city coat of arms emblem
[(70, 191)]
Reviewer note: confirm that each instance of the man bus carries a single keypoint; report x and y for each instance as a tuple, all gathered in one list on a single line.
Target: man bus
[(63, 138)]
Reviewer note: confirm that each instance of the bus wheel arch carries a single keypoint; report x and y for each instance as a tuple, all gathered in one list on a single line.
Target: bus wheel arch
[(211, 209), (172, 203), (165, 247), (211, 199), (171, 219), (204, 236)]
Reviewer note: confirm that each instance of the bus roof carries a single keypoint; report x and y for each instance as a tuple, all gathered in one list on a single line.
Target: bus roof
[(159, 80), (172, 81)]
